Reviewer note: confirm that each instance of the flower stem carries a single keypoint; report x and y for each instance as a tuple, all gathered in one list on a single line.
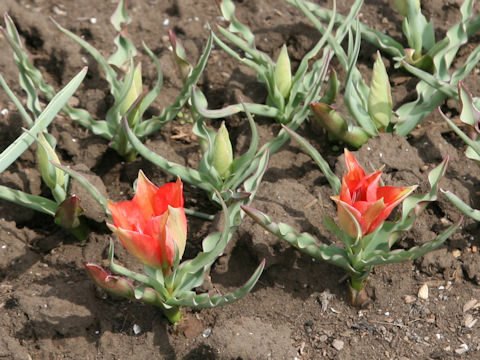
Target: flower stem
[(173, 314), (357, 283), (199, 214)]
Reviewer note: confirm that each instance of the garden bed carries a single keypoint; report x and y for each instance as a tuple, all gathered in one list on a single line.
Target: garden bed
[(50, 309)]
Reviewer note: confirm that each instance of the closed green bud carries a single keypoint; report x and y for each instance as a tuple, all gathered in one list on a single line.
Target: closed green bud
[(222, 152), (50, 174), (134, 92), (283, 72), (380, 103), (401, 6)]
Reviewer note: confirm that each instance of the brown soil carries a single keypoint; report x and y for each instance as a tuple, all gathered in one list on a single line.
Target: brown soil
[(49, 309)]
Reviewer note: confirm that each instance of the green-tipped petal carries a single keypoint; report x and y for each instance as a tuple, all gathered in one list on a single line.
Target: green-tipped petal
[(177, 228)]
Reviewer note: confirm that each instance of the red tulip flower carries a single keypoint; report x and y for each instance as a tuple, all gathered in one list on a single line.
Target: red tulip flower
[(153, 223), (361, 198)]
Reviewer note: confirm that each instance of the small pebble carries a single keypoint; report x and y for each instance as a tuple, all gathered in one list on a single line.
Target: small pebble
[(166, 22), (462, 349), (469, 304), (206, 333), (338, 344), (137, 329), (93, 20), (409, 299), (423, 292)]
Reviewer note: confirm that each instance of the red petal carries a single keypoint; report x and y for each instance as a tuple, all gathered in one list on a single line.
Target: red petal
[(371, 213), (159, 232), (345, 194), (392, 194), (143, 246), (144, 196), (370, 187), (126, 215), (168, 194), (355, 171)]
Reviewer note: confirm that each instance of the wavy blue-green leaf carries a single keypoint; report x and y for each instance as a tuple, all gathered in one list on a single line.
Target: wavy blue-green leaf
[(207, 301), (302, 241)]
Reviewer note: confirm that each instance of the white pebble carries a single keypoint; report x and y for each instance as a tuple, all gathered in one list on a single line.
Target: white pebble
[(166, 22), (93, 20), (137, 329), (4, 111), (206, 333)]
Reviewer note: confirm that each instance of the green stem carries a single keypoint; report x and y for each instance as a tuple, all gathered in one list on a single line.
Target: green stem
[(173, 314), (81, 231), (199, 214), (357, 283)]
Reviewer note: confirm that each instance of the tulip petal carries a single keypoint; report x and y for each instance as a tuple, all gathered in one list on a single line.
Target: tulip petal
[(125, 215), (394, 196), (371, 212), (177, 228), (144, 196), (133, 214), (160, 233), (147, 249), (355, 171), (114, 284), (371, 185), (168, 194), (346, 214)]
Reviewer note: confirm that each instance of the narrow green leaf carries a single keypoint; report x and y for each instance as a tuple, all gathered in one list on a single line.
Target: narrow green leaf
[(14, 150), (332, 179), (37, 203)]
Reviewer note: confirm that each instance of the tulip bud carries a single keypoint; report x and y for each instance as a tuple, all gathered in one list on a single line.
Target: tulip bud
[(134, 92), (336, 125), (222, 152), (68, 212), (50, 174), (115, 284), (180, 57), (380, 103), (402, 7), (283, 72)]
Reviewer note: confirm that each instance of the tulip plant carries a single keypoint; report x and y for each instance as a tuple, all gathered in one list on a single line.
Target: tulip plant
[(288, 95), (153, 228), (429, 60), (371, 107), (363, 207), (64, 208), (469, 116), (125, 80)]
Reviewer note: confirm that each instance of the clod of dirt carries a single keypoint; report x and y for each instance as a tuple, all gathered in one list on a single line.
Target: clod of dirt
[(90, 206), (471, 267), (265, 340), (439, 261)]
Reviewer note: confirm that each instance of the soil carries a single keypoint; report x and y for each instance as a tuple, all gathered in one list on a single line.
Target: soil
[(49, 308)]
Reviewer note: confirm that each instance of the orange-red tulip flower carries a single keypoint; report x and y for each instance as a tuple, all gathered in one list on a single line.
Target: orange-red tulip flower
[(152, 223), (361, 198)]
